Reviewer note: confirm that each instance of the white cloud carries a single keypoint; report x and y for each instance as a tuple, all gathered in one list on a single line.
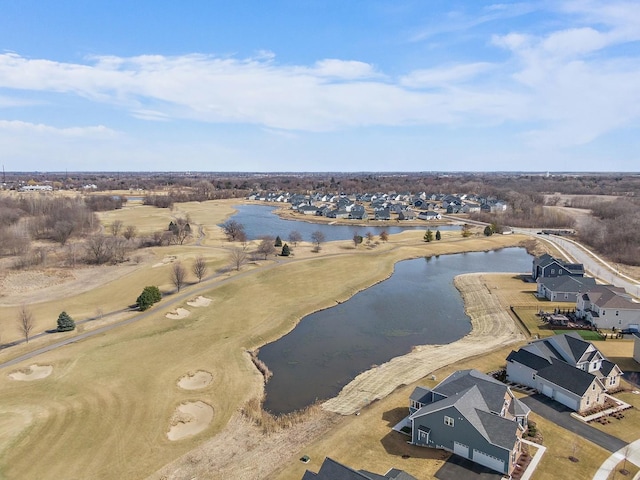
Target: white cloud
[(20, 127), (348, 70), (570, 82), (445, 76)]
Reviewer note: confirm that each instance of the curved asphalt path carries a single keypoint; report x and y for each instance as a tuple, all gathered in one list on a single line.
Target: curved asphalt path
[(173, 299)]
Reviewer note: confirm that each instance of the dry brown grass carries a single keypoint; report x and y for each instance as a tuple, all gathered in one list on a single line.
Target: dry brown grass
[(104, 411)]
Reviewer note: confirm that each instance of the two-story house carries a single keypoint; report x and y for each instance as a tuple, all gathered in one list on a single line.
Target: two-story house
[(472, 415), (606, 306), (566, 368), (546, 266)]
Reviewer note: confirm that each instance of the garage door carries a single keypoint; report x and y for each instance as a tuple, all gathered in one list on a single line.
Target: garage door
[(566, 400), (547, 391), (461, 449), (488, 461)]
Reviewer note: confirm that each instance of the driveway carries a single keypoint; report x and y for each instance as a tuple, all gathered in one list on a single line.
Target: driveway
[(561, 416)]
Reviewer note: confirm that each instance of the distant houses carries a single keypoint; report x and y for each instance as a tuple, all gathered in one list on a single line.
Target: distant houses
[(382, 206)]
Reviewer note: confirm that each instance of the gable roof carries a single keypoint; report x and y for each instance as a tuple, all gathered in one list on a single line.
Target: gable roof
[(332, 470), (545, 260), (565, 283), (480, 399), (570, 378), (608, 296), (491, 390), (528, 359)]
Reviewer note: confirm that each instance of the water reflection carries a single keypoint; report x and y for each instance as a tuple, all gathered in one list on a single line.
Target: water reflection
[(417, 305)]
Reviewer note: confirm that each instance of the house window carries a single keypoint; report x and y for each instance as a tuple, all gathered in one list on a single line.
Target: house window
[(448, 421), (533, 376), (617, 312), (587, 400), (593, 387), (603, 312), (553, 271)]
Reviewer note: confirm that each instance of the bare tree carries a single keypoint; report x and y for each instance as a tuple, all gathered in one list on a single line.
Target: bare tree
[(234, 231), (25, 322), (266, 247), (98, 249), (178, 275), (317, 237), (116, 227), (180, 230), (369, 237), (72, 254), (238, 257), (62, 230), (199, 267), (295, 237), (130, 232)]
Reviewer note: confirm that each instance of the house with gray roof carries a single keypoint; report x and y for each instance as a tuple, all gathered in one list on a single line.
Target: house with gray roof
[(472, 415), (563, 288), (565, 368), (606, 306), (546, 266), (332, 470)]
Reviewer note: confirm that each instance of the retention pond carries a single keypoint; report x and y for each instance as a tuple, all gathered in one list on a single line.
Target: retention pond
[(417, 305)]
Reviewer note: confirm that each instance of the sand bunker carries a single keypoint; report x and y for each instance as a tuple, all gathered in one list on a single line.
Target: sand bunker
[(195, 381), (32, 372), (178, 314), (165, 261), (189, 419), (200, 302)]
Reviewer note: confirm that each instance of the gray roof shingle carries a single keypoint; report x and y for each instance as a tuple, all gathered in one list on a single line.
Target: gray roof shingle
[(570, 378)]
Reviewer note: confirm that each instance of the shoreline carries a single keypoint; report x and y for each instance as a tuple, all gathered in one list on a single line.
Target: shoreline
[(231, 454), (491, 328)]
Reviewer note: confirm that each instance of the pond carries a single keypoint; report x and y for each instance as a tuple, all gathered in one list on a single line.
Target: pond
[(258, 221), (417, 305)]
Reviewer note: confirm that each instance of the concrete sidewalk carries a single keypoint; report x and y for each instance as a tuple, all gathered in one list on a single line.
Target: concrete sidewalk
[(631, 451)]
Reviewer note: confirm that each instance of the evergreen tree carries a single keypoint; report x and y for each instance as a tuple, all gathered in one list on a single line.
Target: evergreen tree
[(285, 250), (428, 236), (488, 231), (148, 297), (65, 322), (278, 242), (438, 235)]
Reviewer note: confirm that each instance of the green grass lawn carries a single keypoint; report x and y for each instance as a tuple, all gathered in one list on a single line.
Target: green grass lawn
[(588, 335)]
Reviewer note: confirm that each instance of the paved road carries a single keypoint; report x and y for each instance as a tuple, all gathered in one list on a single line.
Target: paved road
[(561, 415), (166, 304), (575, 252)]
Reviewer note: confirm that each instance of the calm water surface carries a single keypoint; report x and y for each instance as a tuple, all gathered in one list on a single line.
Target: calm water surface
[(258, 220), (417, 305)]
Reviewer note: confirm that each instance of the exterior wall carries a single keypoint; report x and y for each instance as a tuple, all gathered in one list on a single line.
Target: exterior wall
[(636, 348), (607, 317), (592, 397), (612, 382), (443, 436), (518, 373)]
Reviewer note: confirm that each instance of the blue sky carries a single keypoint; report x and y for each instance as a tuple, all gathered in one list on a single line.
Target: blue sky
[(344, 85)]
